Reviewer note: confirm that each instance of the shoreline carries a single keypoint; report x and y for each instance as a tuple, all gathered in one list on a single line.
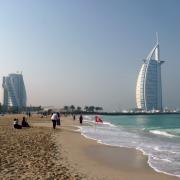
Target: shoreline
[(140, 169), (122, 113), (134, 149)]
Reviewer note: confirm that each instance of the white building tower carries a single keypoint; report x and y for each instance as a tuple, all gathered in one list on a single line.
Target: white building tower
[(148, 87), (14, 91)]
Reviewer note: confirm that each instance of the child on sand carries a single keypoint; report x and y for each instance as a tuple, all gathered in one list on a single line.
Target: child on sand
[(16, 124)]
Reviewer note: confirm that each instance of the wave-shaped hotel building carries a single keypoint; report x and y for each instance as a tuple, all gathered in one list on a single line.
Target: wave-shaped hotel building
[(14, 91), (149, 86)]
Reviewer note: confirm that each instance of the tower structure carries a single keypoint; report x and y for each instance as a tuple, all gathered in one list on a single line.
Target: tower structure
[(14, 91), (149, 86)]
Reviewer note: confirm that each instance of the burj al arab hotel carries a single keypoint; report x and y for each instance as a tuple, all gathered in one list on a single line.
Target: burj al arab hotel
[(148, 87)]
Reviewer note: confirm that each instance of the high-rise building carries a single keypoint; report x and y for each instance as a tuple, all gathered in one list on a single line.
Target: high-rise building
[(14, 91), (148, 87)]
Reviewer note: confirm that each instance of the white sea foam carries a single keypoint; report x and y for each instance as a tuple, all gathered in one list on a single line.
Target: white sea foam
[(167, 160), (157, 148), (109, 124), (160, 171), (162, 133)]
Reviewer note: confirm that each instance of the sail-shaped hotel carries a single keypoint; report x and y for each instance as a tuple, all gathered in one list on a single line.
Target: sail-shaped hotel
[(148, 87)]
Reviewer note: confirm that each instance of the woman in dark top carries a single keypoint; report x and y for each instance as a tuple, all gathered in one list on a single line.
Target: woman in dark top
[(25, 123), (81, 119)]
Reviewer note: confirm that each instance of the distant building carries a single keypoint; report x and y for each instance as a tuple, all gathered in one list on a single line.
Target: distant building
[(148, 87), (14, 91)]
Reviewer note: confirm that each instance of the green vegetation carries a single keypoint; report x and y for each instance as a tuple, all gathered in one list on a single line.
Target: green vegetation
[(78, 109)]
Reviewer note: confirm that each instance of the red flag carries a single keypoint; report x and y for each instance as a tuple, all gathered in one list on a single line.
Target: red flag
[(98, 119)]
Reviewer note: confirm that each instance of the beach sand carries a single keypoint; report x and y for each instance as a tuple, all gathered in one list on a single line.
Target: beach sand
[(31, 153), (63, 153)]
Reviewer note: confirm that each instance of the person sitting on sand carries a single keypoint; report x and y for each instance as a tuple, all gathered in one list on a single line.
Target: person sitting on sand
[(16, 124), (54, 118), (25, 123)]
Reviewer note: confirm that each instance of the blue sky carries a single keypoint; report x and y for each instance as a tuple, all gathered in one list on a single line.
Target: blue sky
[(88, 52)]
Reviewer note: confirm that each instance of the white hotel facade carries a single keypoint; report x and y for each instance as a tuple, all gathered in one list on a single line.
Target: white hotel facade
[(14, 91), (149, 86)]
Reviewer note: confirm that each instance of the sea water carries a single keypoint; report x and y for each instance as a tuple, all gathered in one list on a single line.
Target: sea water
[(157, 136)]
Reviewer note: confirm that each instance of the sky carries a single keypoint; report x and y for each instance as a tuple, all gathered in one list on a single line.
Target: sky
[(88, 52)]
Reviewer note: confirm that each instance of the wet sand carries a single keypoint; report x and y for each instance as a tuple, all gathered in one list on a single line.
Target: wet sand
[(43, 153)]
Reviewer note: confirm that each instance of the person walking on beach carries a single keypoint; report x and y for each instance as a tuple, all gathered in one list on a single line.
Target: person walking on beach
[(81, 119), (58, 119), (74, 117), (54, 118), (29, 114)]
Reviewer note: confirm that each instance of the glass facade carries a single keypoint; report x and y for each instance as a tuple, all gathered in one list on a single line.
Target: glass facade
[(14, 91)]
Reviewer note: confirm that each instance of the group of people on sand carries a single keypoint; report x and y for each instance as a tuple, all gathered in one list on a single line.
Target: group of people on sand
[(24, 123), (56, 119), (80, 118)]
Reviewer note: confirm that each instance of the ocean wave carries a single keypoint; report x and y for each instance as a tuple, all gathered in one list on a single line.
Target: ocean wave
[(158, 170), (109, 124), (156, 148), (162, 133)]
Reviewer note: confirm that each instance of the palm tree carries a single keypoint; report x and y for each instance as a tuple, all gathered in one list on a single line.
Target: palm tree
[(91, 108), (98, 108), (79, 108), (86, 108), (72, 107), (66, 108)]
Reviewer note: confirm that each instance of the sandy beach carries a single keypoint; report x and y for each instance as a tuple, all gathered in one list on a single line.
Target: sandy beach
[(43, 153), (31, 153)]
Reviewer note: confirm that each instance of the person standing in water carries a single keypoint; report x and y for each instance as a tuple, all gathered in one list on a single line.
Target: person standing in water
[(81, 119), (74, 117)]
